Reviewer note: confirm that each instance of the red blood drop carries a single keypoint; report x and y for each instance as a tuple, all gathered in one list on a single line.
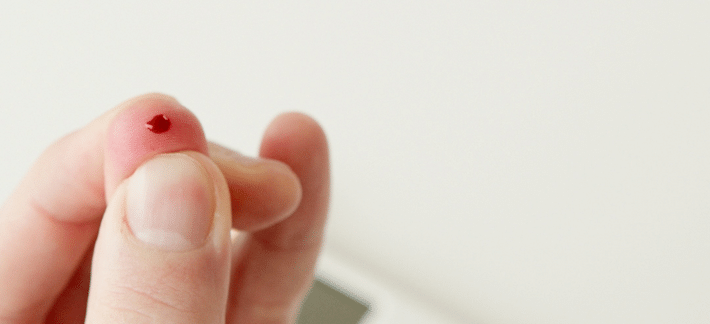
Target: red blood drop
[(159, 124)]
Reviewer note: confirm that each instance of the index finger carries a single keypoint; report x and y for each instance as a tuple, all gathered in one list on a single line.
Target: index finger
[(49, 222)]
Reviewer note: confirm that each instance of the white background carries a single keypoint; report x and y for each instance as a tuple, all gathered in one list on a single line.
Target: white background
[(499, 161)]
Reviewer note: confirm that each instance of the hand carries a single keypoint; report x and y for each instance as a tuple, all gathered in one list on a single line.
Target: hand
[(150, 218)]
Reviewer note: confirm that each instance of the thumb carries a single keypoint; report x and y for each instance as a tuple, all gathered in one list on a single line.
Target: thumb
[(163, 249)]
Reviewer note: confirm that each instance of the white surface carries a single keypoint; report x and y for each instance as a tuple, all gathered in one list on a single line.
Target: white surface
[(508, 162)]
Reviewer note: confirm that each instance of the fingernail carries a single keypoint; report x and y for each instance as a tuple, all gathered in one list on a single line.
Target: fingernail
[(170, 203)]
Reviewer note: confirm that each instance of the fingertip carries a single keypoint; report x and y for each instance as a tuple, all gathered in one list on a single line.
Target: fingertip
[(144, 127), (264, 191), (292, 136), (273, 193), (290, 188)]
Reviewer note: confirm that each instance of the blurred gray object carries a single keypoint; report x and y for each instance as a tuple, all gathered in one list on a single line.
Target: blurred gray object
[(326, 304)]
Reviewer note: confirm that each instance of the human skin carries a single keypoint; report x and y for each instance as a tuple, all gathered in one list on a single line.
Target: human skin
[(50, 224)]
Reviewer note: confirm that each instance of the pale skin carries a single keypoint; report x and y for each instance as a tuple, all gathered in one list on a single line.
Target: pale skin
[(69, 253)]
